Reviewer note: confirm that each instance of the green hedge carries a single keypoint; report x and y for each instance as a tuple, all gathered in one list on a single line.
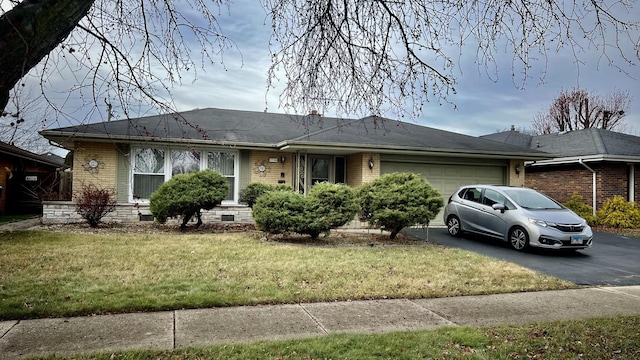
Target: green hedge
[(326, 207)]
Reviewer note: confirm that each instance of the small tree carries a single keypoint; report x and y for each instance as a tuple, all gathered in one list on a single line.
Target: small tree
[(187, 194), (253, 191), (93, 203), (397, 200)]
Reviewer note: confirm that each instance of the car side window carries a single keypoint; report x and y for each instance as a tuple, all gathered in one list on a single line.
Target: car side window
[(493, 197), (473, 194)]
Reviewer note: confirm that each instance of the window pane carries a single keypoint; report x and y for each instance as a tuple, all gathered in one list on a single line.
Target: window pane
[(183, 162), (145, 185), (221, 162), (319, 170), (231, 183), (340, 177), (492, 197), (150, 161)]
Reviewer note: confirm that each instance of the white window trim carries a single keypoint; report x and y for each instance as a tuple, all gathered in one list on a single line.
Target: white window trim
[(168, 167)]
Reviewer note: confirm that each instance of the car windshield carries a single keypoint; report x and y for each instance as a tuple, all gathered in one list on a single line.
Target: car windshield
[(531, 199)]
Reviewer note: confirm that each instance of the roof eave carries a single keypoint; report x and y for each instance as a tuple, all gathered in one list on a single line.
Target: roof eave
[(68, 138), (387, 149)]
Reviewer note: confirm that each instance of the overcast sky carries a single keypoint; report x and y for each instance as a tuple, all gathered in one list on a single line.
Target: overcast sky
[(484, 105)]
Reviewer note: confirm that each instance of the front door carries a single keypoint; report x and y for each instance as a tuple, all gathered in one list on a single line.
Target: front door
[(313, 169)]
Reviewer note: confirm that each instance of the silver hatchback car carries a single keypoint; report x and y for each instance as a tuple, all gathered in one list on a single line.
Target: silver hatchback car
[(520, 216)]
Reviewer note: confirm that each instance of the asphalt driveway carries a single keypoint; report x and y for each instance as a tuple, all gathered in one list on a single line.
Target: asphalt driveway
[(613, 260)]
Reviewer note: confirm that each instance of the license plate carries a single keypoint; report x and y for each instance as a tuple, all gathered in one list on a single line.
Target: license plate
[(576, 240)]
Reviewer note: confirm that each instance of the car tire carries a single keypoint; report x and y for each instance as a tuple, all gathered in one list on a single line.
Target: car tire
[(453, 226), (518, 238)]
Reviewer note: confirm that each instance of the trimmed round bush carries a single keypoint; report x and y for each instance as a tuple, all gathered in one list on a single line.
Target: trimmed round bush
[(328, 206), (187, 194), (250, 194), (279, 212), (397, 200)]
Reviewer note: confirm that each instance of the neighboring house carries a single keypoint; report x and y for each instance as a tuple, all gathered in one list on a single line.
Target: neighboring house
[(597, 164), (136, 156), (26, 179)]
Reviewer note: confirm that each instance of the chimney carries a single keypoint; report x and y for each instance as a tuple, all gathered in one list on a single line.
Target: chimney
[(314, 112), (513, 128)]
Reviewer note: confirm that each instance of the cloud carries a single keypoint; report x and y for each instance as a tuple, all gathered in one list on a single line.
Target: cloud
[(484, 105)]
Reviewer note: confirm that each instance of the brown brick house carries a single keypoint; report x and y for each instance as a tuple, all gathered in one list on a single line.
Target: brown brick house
[(135, 156), (597, 164)]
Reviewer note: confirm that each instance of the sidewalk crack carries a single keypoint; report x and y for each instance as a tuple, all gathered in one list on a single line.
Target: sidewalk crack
[(11, 328), (318, 324), (174, 329)]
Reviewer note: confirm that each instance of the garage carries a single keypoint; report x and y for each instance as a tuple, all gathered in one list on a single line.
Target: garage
[(447, 178)]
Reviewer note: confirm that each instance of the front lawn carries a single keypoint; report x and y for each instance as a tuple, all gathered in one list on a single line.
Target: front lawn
[(55, 274)]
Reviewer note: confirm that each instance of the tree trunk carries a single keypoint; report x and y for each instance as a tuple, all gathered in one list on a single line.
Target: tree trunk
[(29, 32)]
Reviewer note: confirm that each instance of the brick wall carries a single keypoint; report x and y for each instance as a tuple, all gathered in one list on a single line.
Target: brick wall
[(104, 175), (612, 180), (515, 178), (560, 182), (358, 171), (274, 170)]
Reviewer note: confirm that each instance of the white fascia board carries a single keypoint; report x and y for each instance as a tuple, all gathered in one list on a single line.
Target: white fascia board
[(589, 158)]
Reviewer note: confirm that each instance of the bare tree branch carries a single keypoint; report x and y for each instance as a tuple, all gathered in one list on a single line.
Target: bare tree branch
[(578, 109)]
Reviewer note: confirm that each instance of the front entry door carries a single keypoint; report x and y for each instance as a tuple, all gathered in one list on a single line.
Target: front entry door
[(313, 169)]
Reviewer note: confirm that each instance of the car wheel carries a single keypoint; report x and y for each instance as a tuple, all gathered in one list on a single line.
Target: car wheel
[(518, 238), (453, 226)]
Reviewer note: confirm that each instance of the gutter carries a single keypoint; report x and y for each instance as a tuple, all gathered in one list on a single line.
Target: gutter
[(593, 186), (413, 150)]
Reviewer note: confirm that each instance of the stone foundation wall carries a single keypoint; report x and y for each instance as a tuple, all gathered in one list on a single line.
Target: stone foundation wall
[(64, 212)]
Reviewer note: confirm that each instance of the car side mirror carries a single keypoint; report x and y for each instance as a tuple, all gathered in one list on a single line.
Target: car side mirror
[(500, 207)]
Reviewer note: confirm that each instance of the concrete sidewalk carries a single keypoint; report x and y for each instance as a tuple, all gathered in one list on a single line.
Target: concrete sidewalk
[(181, 328)]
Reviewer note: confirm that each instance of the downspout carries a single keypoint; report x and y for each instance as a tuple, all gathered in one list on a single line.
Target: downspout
[(593, 186)]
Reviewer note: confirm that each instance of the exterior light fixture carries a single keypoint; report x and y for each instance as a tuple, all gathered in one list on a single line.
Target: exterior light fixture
[(283, 159), (518, 169), (371, 163)]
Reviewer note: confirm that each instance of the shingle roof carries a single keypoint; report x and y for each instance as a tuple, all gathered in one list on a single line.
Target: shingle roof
[(13, 151), (583, 142), (247, 128)]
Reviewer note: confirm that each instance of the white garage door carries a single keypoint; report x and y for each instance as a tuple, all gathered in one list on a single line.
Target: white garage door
[(448, 178)]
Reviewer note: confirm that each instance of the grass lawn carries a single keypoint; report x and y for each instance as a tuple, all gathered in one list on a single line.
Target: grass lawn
[(66, 273), (609, 338)]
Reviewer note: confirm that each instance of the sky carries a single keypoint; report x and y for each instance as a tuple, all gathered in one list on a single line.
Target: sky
[(484, 105)]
